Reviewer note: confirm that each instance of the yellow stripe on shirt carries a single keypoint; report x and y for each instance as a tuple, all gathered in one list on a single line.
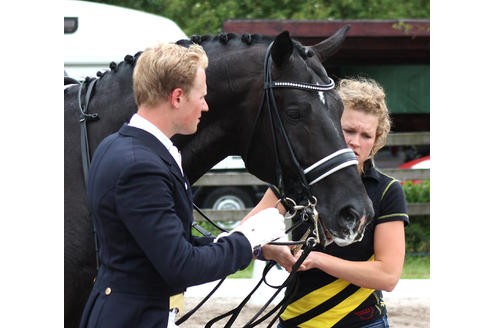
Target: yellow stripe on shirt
[(313, 299), (338, 312), (321, 295)]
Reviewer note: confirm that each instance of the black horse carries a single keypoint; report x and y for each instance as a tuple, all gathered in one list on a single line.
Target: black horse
[(270, 102)]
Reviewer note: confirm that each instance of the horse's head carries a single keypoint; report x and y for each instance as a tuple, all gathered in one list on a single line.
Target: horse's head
[(311, 159), (273, 104)]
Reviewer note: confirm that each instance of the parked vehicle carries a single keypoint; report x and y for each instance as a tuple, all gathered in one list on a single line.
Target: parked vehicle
[(418, 163), (231, 197), (415, 164), (96, 34)]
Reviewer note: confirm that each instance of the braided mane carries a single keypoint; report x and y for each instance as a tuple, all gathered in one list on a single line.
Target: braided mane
[(223, 38), (246, 38)]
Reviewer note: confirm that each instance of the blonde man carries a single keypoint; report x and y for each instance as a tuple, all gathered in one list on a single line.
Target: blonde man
[(142, 203)]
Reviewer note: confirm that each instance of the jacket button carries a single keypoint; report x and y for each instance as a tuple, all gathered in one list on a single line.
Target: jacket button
[(108, 291)]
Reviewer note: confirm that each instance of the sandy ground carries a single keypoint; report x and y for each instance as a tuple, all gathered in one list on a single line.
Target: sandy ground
[(408, 304), (403, 312)]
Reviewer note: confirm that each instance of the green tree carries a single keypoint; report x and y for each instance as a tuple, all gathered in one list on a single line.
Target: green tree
[(206, 17)]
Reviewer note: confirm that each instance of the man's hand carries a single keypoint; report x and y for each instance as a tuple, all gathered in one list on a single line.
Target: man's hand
[(261, 228)]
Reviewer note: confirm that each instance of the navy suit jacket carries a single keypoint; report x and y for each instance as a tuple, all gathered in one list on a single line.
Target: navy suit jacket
[(142, 209)]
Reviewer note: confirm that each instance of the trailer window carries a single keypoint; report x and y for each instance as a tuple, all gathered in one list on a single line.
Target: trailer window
[(70, 25)]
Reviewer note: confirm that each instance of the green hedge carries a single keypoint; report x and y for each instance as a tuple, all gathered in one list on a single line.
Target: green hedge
[(418, 230), (417, 191)]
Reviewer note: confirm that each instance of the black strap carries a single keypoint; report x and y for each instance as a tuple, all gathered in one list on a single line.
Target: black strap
[(84, 116), (85, 151), (200, 229), (291, 280), (277, 125), (234, 313), (203, 301)]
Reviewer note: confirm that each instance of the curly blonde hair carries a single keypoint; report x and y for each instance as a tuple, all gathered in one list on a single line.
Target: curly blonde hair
[(366, 95), (162, 68)]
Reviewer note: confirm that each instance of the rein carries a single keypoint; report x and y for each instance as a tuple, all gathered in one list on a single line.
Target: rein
[(84, 117)]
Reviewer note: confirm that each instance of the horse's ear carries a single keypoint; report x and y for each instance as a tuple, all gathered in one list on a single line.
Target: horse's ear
[(282, 48), (326, 48)]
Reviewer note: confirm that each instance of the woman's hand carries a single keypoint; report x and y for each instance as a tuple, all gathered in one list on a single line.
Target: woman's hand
[(280, 254), (310, 262)]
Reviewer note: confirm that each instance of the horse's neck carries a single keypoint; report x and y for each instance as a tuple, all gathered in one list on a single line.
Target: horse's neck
[(234, 97), (221, 133)]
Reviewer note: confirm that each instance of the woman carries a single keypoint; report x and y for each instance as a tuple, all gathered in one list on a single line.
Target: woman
[(341, 286)]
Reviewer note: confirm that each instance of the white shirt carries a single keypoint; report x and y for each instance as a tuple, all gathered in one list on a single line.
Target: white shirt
[(140, 122)]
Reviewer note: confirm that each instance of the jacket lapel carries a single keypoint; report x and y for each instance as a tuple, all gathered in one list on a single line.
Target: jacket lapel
[(157, 147)]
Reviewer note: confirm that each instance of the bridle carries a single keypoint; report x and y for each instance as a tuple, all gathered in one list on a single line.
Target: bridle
[(307, 177), (306, 210)]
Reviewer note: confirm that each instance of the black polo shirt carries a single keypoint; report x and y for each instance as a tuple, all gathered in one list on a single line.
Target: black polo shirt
[(321, 300)]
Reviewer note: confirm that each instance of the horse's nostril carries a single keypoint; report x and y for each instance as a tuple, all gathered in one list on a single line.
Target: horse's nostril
[(350, 214)]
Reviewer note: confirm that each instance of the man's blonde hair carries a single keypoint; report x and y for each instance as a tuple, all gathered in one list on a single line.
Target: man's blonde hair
[(163, 68), (367, 95)]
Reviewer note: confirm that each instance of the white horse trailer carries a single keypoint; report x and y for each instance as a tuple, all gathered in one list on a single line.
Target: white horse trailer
[(96, 34)]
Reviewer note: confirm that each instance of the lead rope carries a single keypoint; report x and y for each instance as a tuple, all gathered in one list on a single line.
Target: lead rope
[(205, 233), (309, 244)]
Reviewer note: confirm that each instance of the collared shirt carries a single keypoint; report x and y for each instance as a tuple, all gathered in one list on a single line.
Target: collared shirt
[(140, 122)]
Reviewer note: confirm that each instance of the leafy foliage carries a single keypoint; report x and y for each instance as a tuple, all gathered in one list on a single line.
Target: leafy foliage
[(207, 16), (417, 192), (418, 230), (418, 234)]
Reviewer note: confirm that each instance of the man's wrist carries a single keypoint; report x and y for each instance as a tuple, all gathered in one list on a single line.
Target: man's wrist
[(258, 254)]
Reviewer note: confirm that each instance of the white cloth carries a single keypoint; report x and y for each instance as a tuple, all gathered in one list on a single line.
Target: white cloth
[(263, 227), (140, 122), (171, 319)]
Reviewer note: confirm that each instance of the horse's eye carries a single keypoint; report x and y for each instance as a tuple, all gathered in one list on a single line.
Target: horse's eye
[(294, 114)]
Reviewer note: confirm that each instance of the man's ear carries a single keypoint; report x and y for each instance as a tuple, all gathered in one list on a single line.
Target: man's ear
[(176, 97)]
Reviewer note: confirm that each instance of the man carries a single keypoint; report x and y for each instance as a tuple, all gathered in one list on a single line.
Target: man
[(142, 203)]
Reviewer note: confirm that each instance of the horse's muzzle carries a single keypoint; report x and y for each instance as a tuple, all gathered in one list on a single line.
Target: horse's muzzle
[(348, 229)]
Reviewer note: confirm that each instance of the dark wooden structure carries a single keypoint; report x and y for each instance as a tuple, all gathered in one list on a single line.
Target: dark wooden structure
[(385, 44), (368, 41)]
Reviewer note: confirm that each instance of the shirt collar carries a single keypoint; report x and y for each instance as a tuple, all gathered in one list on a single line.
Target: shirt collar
[(370, 170), (140, 122)]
